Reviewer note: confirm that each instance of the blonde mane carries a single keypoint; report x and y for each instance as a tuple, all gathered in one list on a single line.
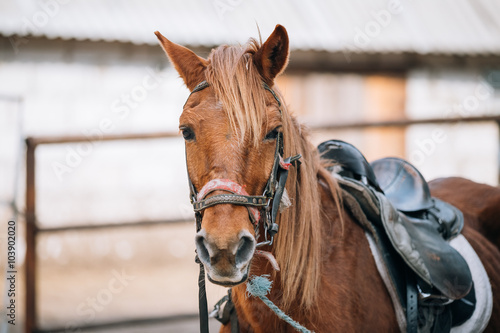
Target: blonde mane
[(300, 245), (238, 85)]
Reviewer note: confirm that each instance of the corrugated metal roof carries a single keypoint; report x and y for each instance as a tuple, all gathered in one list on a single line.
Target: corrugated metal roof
[(381, 26)]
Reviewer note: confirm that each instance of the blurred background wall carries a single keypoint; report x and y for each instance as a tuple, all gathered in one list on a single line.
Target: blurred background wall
[(94, 68)]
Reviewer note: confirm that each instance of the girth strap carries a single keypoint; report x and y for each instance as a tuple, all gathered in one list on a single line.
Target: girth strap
[(411, 302)]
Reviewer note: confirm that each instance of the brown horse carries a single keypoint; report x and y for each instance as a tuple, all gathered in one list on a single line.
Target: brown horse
[(328, 279)]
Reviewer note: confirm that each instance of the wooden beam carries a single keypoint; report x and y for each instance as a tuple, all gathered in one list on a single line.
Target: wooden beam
[(401, 123), (113, 225), (42, 140), (114, 137)]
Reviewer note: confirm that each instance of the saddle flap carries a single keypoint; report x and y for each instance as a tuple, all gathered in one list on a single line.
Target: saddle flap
[(426, 252), (402, 184)]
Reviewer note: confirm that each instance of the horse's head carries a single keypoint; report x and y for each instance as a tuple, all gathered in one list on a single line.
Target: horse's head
[(232, 125)]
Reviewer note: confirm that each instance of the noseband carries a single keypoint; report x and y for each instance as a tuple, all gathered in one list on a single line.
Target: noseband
[(261, 208)]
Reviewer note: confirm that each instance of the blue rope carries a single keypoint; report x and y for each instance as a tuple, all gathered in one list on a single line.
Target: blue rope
[(259, 286)]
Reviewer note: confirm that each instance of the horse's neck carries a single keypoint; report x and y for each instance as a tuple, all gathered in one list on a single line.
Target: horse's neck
[(346, 264), (252, 312)]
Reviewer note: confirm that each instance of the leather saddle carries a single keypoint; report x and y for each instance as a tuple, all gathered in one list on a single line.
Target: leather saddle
[(411, 227), (348, 162), (408, 192)]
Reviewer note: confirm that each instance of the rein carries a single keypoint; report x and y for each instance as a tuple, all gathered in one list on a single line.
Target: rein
[(261, 208)]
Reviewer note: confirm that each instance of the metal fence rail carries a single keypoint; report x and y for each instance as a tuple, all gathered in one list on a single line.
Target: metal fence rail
[(32, 229), (31, 222)]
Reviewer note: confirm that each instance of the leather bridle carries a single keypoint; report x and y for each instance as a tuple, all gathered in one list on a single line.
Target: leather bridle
[(261, 208)]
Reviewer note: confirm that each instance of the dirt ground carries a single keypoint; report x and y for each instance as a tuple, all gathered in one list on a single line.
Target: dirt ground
[(177, 326), (119, 274)]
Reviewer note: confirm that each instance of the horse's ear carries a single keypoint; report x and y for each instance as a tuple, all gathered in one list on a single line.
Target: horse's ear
[(189, 66), (272, 57)]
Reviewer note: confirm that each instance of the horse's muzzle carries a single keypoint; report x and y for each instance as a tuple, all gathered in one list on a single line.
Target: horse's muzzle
[(226, 261)]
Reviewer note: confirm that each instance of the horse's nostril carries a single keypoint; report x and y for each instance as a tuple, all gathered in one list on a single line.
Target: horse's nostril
[(201, 249), (246, 248)]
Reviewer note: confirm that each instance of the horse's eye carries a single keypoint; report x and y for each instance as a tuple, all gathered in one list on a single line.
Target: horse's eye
[(187, 133), (273, 134)]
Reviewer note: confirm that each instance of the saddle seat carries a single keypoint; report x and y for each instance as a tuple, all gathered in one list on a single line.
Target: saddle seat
[(408, 192), (411, 227)]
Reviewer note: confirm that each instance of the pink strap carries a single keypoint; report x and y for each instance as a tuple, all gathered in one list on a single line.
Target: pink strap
[(221, 184), (229, 186), (284, 165)]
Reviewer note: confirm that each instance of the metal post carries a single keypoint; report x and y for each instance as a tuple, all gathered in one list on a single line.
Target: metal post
[(30, 262)]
